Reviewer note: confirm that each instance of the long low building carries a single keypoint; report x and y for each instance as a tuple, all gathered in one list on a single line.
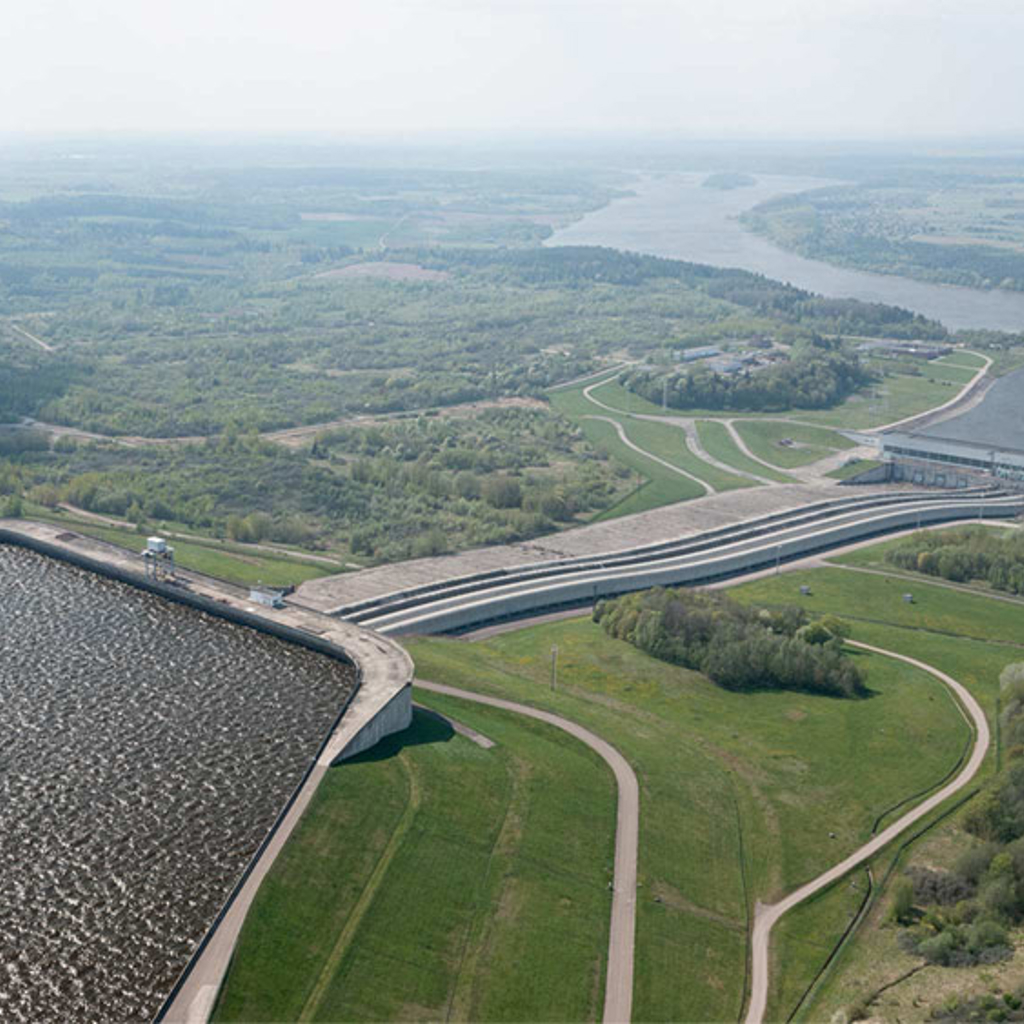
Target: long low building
[(945, 462)]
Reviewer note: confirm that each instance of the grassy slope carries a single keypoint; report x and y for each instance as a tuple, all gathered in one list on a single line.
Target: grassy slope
[(718, 442), (669, 443), (492, 903), (942, 627), (661, 486), (853, 469), (890, 399), (715, 766), (229, 563), (762, 437)]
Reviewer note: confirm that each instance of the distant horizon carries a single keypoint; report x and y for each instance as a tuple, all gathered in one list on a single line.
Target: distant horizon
[(931, 69)]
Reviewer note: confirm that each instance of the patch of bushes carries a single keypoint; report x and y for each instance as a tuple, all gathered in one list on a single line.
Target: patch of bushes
[(737, 646)]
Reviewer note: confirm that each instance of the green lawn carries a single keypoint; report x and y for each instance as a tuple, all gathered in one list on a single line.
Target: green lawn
[(432, 879), (718, 442), (879, 599), (720, 772), (804, 938), (230, 563), (660, 487), (764, 437), (669, 443)]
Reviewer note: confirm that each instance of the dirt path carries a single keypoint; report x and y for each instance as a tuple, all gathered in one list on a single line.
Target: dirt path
[(31, 337), (765, 916), (618, 995)]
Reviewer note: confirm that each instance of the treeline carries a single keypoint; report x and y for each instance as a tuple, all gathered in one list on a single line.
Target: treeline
[(814, 379), (882, 227), (737, 646), (577, 266), (961, 917), (964, 554)]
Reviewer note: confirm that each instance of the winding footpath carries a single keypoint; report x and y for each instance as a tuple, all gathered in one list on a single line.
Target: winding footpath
[(621, 431), (765, 916), (618, 993)]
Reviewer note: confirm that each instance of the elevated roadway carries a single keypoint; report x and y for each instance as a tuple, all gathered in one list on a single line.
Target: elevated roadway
[(758, 543)]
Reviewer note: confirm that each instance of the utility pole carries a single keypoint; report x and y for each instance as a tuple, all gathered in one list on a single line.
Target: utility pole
[(554, 665)]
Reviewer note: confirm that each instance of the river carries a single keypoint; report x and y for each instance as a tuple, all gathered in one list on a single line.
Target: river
[(675, 216), (147, 748)]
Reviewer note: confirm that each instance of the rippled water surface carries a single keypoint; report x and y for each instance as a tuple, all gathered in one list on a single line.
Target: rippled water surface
[(145, 749)]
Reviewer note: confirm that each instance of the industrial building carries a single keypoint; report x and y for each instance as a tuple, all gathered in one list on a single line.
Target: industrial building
[(944, 462)]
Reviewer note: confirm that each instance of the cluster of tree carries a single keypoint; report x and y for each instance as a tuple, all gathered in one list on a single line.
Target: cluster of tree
[(961, 917), (816, 378), (964, 554), (737, 646), (387, 491), (990, 1006)]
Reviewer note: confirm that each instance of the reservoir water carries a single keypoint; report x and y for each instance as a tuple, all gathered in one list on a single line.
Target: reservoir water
[(675, 216), (147, 748)]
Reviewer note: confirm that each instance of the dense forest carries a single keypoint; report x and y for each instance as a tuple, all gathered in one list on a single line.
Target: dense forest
[(737, 646), (965, 554), (814, 378)]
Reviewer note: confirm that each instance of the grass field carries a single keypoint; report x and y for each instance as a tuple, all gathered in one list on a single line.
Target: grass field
[(938, 628), (743, 797), (433, 879), (661, 486), (718, 442), (669, 443), (763, 438), (227, 562), (732, 785), (894, 396)]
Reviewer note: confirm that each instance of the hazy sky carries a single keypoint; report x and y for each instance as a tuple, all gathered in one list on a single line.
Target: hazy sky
[(716, 68)]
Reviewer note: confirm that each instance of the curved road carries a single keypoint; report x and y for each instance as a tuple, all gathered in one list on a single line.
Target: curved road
[(766, 916), (618, 993)]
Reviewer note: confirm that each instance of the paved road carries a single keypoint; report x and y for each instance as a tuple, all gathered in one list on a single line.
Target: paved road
[(766, 916), (618, 994)]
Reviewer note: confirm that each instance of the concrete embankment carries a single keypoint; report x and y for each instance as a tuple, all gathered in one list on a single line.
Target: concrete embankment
[(381, 705)]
